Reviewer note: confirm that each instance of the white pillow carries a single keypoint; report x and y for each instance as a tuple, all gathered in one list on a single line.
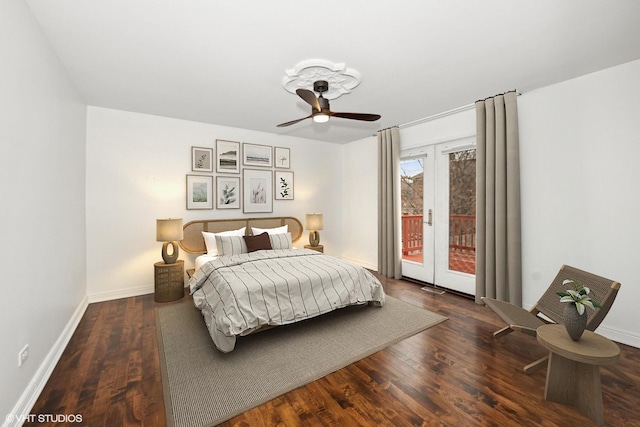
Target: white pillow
[(210, 239), (278, 230), (280, 241), (231, 245)]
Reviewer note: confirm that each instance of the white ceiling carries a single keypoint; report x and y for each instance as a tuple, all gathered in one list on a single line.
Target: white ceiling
[(223, 62)]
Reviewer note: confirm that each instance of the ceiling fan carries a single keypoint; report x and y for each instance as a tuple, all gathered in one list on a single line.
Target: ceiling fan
[(320, 107)]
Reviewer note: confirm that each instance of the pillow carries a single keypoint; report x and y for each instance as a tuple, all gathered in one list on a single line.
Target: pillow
[(231, 245), (280, 241), (278, 230), (210, 239), (257, 243)]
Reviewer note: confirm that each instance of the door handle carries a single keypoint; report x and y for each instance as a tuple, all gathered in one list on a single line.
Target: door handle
[(430, 218)]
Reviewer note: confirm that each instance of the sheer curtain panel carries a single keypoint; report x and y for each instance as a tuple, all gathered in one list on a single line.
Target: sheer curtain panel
[(498, 246), (389, 210)]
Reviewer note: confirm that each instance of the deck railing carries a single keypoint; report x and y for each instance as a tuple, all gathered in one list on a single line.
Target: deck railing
[(462, 233), (411, 234)]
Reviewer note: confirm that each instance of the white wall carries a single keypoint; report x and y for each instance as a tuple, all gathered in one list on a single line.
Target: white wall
[(42, 184), (360, 203), (136, 172), (580, 145)]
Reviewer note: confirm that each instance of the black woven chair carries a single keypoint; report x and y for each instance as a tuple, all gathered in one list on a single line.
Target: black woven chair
[(604, 291)]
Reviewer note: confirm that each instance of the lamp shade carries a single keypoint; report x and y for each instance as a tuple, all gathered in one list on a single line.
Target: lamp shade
[(169, 230), (314, 221)]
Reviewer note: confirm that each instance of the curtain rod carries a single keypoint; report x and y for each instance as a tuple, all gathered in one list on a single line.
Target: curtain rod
[(430, 118), (437, 116), (446, 113)]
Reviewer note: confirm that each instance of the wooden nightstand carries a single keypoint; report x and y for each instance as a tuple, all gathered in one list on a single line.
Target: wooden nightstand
[(168, 281), (318, 248)]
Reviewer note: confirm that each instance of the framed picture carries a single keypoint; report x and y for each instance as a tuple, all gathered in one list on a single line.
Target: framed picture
[(282, 157), (257, 190), (228, 192), (227, 156), (284, 185), (201, 159), (257, 155), (199, 192)]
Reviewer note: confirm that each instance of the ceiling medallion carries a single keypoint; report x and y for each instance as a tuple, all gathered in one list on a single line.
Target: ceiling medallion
[(341, 79)]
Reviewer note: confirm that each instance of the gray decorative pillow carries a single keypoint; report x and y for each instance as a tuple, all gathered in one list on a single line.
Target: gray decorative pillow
[(281, 241), (231, 245)]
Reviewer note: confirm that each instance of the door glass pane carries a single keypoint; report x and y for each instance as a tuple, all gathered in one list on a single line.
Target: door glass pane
[(462, 211), (412, 185)]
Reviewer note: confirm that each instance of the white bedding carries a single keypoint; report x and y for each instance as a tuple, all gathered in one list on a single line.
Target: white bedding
[(241, 293), (202, 260)]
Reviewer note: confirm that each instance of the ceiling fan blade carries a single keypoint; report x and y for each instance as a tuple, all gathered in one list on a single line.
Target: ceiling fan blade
[(292, 122), (357, 116), (309, 97)]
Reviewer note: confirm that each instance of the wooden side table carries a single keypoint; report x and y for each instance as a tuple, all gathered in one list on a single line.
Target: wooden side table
[(573, 372), (318, 248), (168, 281)]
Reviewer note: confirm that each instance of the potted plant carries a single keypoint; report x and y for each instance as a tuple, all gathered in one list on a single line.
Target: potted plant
[(575, 314)]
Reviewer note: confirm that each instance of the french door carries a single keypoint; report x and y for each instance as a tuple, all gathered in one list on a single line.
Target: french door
[(438, 214)]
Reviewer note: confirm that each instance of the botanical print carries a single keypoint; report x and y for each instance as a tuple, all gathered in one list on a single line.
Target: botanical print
[(201, 160), (228, 156), (228, 196), (284, 185), (284, 188), (257, 155), (258, 190), (282, 157), (199, 192)]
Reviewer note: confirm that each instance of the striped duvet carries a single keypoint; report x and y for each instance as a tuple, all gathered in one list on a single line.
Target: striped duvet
[(238, 294)]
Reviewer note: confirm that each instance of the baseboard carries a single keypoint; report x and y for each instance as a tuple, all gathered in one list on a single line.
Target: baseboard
[(22, 409), (120, 293), (360, 263), (623, 337)]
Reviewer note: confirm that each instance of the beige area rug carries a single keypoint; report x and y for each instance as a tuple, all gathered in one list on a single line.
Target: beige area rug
[(203, 386)]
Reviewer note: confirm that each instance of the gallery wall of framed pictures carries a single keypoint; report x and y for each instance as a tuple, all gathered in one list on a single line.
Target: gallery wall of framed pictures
[(234, 175)]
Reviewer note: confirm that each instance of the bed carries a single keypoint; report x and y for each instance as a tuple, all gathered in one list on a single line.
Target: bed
[(253, 278)]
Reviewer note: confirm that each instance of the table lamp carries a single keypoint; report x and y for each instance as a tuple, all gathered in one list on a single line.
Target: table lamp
[(314, 223), (169, 231)]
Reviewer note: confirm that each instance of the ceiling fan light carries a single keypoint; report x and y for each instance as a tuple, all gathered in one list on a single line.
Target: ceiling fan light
[(321, 118)]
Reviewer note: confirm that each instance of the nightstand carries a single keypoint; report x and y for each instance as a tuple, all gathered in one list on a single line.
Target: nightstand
[(318, 248), (168, 281)]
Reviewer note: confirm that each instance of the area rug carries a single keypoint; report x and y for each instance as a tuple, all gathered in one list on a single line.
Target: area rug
[(203, 386)]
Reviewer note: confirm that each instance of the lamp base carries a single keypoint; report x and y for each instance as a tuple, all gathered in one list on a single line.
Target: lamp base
[(170, 259), (314, 238)]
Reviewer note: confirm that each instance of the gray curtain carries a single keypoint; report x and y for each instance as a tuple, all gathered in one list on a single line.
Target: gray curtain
[(498, 248), (389, 208)]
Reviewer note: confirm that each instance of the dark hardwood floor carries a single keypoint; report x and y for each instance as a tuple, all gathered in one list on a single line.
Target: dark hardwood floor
[(453, 374)]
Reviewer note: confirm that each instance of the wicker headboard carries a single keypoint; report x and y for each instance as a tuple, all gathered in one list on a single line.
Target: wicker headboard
[(193, 242)]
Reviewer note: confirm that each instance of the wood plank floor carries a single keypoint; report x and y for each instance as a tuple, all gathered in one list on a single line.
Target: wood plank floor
[(454, 374)]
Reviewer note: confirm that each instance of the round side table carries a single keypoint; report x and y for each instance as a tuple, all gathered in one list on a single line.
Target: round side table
[(168, 281), (573, 372)]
